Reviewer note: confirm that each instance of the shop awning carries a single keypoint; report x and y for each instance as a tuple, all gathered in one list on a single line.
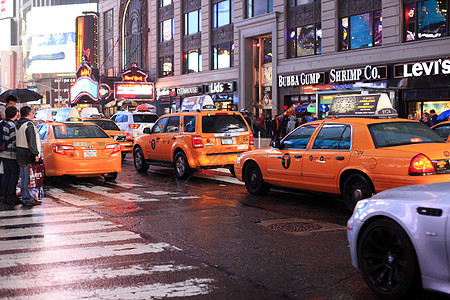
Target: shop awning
[(127, 102), (111, 103)]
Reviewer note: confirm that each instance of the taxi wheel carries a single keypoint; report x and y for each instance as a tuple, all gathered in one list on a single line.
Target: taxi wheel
[(181, 165), (139, 162), (254, 181), (387, 260), (356, 187), (232, 171), (110, 176), (124, 155)]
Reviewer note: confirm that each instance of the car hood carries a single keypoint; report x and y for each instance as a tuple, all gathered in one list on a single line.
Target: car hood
[(437, 193)]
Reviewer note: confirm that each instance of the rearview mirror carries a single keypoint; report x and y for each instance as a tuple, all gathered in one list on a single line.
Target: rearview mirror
[(276, 144), (147, 130)]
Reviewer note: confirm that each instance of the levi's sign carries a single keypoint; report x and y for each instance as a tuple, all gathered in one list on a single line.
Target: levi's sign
[(359, 74), (425, 68), (302, 79)]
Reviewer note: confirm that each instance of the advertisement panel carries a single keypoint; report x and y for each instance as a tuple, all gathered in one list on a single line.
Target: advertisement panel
[(87, 39), (49, 45), (6, 9)]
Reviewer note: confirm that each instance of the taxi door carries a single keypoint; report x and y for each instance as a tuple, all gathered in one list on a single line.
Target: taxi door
[(168, 137), (329, 154), (155, 145), (284, 165)]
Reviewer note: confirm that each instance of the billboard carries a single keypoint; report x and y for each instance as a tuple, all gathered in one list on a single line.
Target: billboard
[(6, 9), (49, 44), (87, 39)]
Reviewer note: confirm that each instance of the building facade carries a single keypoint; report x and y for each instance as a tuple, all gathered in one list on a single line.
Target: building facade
[(268, 55)]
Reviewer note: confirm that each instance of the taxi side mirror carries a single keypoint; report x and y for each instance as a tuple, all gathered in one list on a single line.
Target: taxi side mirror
[(147, 130), (276, 144)]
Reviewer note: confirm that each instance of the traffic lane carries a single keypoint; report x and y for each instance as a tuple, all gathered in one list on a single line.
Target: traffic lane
[(224, 227)]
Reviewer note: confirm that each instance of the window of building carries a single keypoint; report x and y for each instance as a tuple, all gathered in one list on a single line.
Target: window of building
[(425, 19), (267, 50), (223, 55), (133, 46), (166, 65), (293, 3), (165, 2), (167, 30), (109, 19), (193, 61), (222, 13), (361, 30), (193, 22), (305, 40), (259, 7)]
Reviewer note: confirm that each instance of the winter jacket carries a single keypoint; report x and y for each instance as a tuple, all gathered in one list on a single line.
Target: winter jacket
[(9, 137)]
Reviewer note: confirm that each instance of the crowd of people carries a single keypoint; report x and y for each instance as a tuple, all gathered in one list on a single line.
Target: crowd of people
[(20, 148)]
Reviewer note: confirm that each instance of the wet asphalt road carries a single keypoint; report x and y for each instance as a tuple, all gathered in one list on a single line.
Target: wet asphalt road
[(150, 236)]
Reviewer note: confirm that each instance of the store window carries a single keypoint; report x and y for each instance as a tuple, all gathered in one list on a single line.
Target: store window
[(166, 30), (360, 30), (193, 61), (223, 55), (166, 65), (267, 50), (222, 13), (165, 2), (425, 19), (258, 7), (193, 22), (305, 40)]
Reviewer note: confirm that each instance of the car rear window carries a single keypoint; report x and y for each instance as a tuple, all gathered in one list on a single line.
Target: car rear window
[(78, 131), (104, 124), (145, 118), (402, 133), (223, 123)]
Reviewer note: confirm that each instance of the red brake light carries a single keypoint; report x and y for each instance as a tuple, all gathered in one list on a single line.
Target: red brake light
[(128, 137), (421, 165), (134, 126), (197, 142), (115, 147), (61, 149), (251, 141), (416, 140)]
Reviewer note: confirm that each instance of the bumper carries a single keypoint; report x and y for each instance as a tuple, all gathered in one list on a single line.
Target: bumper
[(211, 160), (353, 227), (65, 166), (126, 146)]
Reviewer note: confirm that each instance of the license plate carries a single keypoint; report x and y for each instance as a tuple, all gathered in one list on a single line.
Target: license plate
[(89, 153), (227, 141)]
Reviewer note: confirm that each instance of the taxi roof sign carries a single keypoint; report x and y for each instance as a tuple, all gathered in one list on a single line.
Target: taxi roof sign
[(197, 103), (369, 105)]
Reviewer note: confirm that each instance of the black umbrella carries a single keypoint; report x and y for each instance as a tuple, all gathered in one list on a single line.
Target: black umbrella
[(22, 95)]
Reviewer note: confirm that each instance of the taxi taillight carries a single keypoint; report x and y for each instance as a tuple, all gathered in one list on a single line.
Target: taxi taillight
[(421, 165), (115, 147), (61, 149), (197, 142), (134, 126), (128, 137), (251, 141)]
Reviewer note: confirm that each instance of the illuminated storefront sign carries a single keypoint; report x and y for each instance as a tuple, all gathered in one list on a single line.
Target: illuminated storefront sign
[(220, 87), (192, 90), (86, 39), (301, 79), (84, 87), (130, 90), (358, 74), (424, 68)]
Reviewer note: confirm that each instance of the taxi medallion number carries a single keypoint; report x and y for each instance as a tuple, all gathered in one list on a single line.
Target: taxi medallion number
[(89, 153), (227, 141)]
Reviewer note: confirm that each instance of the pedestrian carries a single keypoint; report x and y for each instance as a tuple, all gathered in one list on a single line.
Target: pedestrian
[(28, 147), (276, 126), (410, 117), (291, 124), (8, 157), (268, 128), (283, 125), (255, 125), (426, 119), (262, 126), (433, 117)]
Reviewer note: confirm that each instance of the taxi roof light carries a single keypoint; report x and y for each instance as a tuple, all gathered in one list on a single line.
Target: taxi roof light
[(421, 165)]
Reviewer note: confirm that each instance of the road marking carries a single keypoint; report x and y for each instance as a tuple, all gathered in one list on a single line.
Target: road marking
[(70, 198), (124, 184), (38, 210), (185, 197), (160, 193), (80, 254), (78, 216), (99, 190)]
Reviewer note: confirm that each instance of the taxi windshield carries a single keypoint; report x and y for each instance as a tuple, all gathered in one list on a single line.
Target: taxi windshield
[(223, 123), (105, 124), (78, 131), (402, 133)]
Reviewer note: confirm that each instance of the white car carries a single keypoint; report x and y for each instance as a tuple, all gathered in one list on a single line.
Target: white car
[(134, 122), (400, 240)]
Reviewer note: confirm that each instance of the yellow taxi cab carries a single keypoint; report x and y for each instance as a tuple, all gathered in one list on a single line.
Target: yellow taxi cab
[(111, 128), (79, 149), (198, 137), (350, 155), (443, 130)]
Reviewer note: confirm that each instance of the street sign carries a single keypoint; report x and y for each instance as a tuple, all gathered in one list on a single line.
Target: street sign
[(32, 87)]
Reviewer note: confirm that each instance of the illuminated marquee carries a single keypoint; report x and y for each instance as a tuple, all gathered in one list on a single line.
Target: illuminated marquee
[(84, 89), (134, 90)]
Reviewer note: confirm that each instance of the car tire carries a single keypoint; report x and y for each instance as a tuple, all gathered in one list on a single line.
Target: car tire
[(232, 171), (139, 161), (356, 187), (254, 181), (181, 166), (110, 176), (124, 154), (387, 260)]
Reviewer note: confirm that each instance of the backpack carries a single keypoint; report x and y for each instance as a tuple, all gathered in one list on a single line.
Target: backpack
[(3, 144)]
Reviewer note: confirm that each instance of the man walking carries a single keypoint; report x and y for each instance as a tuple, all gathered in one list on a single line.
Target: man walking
[(8, 157), (28, 147)]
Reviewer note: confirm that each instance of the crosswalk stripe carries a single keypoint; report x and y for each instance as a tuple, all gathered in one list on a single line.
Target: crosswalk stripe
[(100, 190), (48, 219), (55, 240), (57, 229), (70, 198), (37, 210), (60, 276), (187, 288), (84, 253), (160, 193)]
